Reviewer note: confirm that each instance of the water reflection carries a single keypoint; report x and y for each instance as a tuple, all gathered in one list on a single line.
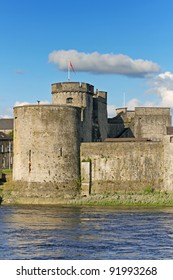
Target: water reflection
[(49, 232)]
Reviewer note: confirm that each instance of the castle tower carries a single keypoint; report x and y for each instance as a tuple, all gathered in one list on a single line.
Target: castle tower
[(100, 115), (77, 95), (47, 150)]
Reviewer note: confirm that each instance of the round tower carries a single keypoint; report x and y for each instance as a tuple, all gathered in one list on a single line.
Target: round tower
[(47, 150), (78, 95)]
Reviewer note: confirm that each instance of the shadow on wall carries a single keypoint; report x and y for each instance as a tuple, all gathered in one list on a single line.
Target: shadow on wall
[(118, 129), (2, 178)]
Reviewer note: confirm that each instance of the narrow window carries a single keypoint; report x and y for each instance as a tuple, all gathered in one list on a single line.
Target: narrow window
[(1, 148), (60, 152), (29, 161)]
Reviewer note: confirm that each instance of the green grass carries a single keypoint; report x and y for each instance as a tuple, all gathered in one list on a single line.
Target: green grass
[(122, 199), (149, 190), (7, 171)]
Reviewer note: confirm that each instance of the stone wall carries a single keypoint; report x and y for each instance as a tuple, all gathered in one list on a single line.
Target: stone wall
[(123, 166), (151, 123), (168, 163)]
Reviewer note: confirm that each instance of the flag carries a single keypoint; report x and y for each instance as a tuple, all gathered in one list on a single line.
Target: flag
[(71, 66)]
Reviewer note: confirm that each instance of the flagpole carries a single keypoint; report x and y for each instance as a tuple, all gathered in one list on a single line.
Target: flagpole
[(68, 71), (124, 99)]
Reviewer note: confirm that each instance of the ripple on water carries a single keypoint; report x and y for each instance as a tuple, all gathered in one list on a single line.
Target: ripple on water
[(49, 232)]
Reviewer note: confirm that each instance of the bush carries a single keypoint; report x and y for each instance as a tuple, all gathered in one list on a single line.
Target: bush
[(149, 190)]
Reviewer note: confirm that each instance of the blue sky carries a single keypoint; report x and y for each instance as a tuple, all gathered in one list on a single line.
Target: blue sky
[(124, 47)]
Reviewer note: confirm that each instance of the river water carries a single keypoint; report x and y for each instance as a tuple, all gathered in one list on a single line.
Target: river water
[(54, 232)]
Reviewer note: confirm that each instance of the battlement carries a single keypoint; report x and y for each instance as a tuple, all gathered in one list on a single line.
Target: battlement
[(101, 96), (152, 111), (145, 111), (72, 87), (101, 93)]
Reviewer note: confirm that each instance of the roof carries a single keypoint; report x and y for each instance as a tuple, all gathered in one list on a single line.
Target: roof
[(6, 124), (4, 137), (132, 139)]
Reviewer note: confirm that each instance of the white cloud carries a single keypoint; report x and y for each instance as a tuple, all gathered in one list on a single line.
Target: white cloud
[(131, 104), (162, 86), (19, 103), (5, 116), (103, 63), (44, 102), (111, 109)]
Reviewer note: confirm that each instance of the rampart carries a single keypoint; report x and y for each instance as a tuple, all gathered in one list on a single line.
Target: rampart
[(152, 111), (110, 167)]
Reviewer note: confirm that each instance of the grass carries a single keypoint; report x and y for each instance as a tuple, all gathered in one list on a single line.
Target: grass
[(156, 199), (149, 190), (7, 171), (121, 199)]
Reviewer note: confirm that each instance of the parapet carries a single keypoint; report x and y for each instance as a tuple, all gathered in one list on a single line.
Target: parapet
[(72, 87), (121, 110), (152, 111), (101, 95)]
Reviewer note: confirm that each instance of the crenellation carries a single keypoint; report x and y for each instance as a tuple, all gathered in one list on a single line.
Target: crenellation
[(72, 86), (101, 95)]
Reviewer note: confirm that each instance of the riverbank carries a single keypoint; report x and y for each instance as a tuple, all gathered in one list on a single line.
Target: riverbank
[(155, 199), (149, 197)]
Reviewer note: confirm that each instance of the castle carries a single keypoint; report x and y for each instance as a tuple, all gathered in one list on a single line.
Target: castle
[(72, 148)]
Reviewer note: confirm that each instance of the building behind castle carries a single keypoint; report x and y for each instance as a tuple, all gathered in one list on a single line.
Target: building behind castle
[(71, 147)]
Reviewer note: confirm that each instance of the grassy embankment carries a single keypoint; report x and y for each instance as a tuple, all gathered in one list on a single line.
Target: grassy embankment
[(6, 185), (154, 199), (149, 197)]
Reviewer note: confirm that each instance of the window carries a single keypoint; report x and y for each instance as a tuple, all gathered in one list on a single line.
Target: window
[(69, 100), (1, 148), (171, 139)]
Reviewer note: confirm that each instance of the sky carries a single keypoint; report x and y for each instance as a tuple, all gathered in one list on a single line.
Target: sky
[(124, 47)]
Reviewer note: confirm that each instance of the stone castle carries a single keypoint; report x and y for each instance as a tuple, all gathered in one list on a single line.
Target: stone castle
[(72, 148)]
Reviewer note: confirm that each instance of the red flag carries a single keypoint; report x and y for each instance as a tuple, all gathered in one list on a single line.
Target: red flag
[(72, 67)]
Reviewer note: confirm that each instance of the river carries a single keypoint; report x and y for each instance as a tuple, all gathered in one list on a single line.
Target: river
[(80, 233)]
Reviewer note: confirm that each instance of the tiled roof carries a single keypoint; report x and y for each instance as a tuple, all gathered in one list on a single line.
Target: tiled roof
[(4, 136), (6, 124)]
